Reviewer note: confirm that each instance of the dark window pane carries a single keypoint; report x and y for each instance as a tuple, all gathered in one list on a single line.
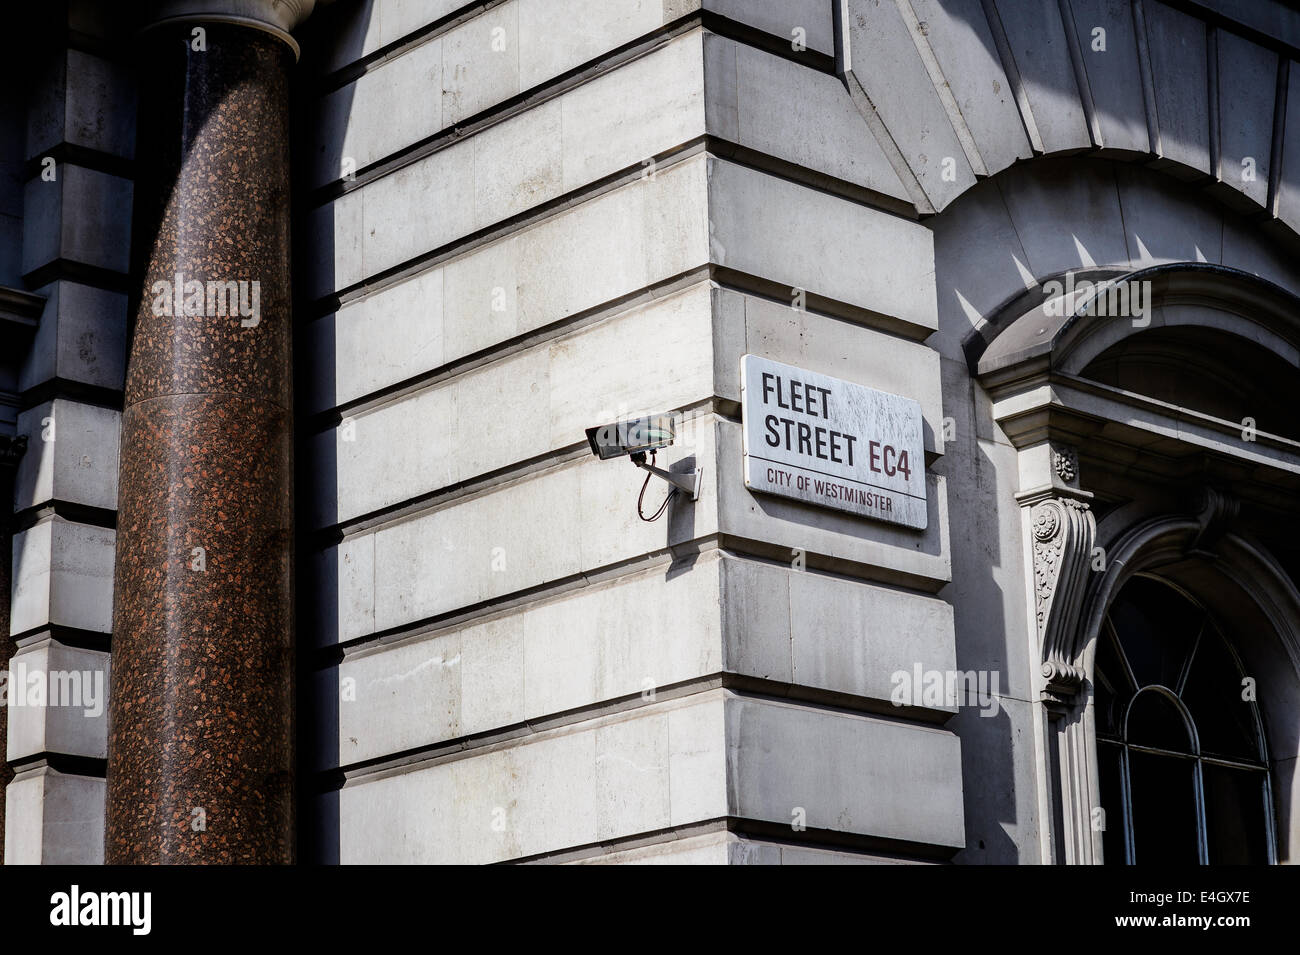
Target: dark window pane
[(1111, 687), (1156, 627), (1224, 721), (1151, 634), (1164, 809), (1234, 816), (1112, 803), (1154, 720)]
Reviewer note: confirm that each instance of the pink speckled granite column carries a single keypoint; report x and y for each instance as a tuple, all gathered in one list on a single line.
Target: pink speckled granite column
[(200, 752)]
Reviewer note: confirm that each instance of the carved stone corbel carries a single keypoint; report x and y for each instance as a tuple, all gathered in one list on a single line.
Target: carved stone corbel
[(1064, 530), (1215, 513)]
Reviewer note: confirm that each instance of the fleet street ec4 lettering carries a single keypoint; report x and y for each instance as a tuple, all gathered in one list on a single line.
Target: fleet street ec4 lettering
[(826, 444)]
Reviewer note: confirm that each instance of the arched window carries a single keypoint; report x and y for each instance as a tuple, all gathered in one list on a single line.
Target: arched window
[(1152, 448), (1183, 767)]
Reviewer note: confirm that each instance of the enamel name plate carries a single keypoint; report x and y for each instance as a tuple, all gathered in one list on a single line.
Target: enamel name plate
[(833, 443)]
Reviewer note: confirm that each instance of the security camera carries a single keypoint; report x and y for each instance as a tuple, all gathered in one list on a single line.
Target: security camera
[(637, 437)]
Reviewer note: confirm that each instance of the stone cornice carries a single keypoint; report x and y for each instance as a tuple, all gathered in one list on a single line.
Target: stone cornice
[(20, 309)]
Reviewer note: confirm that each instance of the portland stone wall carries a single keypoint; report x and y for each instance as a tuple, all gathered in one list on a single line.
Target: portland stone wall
[(532, 218)]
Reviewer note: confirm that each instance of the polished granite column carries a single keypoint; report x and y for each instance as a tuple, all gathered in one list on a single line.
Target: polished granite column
[(200, 752)]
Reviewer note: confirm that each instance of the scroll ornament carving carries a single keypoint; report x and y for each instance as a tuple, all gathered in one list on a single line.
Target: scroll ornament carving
[(1217, 511), (1064, 530)]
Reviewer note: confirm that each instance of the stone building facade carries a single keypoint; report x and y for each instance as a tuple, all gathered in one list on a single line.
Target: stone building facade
[(368, 596)]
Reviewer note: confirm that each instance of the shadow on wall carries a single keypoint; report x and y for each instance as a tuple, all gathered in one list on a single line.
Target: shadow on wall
[(335, 33), (1022, 80)]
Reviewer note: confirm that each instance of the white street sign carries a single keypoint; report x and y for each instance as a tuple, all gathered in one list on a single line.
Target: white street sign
[(830, 442)]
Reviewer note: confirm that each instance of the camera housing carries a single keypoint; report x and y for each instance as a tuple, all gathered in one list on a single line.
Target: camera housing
[(633, 436), (637, 437)]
